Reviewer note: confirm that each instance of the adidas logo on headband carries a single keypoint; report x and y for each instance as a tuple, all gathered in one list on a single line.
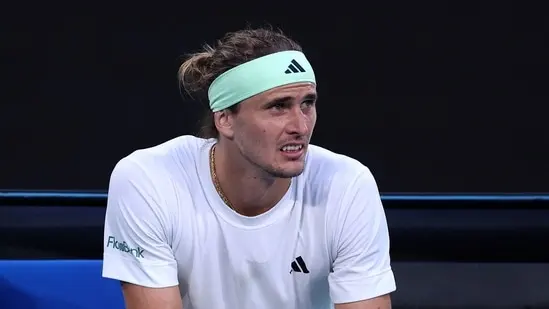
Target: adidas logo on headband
[(294, 67)]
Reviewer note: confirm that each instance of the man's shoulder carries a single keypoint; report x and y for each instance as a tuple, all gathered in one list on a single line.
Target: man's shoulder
[(164, 172), (326, 164), (174, 161), (180, 150)]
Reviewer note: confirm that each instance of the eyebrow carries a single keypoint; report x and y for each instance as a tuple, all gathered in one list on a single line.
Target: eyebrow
[(282, 100)]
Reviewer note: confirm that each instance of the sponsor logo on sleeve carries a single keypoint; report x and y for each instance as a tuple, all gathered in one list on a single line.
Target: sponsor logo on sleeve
[(112, 242)]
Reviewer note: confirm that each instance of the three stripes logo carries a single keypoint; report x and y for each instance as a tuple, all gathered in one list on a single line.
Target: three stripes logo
[(294, 67), (298, 265)]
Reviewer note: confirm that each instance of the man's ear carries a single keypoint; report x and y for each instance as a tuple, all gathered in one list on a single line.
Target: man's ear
[(224, 121)]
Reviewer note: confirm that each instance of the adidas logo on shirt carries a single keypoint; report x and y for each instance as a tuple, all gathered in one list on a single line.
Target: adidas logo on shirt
[(298, 265)]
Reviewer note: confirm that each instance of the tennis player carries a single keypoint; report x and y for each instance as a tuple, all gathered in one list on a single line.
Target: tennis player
[(249, 215)]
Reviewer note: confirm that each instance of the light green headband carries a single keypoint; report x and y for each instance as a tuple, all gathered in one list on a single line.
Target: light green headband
[(257, 76)]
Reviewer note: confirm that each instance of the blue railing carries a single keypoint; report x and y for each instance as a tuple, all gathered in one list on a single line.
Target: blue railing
[(422, 200)]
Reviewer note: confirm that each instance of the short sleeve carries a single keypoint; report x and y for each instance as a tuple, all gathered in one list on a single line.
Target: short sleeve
[(136, 247), (361, 266)]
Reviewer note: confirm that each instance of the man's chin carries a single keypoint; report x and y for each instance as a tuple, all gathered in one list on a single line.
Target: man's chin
[(287, 175), (289, 171)]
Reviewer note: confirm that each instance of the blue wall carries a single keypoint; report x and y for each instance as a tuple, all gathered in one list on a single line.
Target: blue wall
[(57, 284)]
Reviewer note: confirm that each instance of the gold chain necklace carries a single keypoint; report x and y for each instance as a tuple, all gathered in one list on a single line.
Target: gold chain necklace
[(216, 181)]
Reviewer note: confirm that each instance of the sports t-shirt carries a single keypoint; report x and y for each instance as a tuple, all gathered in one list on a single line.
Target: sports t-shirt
[(325, 242)]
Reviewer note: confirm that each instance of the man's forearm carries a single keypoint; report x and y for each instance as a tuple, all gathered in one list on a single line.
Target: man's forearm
[(381, 302), (139, 297)]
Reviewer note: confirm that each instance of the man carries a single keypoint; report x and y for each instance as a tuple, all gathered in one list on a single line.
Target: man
[(249, 215)]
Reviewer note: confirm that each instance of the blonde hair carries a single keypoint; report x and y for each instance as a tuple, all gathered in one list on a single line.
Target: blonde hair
[(194, 73), (197, 73)]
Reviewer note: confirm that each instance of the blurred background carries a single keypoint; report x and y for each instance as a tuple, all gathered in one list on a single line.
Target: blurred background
[(445, 101)]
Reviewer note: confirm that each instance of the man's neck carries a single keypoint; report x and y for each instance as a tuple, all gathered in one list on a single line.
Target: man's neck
[(254, 192)]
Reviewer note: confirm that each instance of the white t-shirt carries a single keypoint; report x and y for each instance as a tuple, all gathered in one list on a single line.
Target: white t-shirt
[(325, 242)]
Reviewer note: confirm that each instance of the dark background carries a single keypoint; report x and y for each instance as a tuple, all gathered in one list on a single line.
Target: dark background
[(432, 96), (435, 97)]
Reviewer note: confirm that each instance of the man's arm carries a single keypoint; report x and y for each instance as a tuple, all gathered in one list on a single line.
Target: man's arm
[(137, 246), (362, 277), (140, 297), (380, 302)]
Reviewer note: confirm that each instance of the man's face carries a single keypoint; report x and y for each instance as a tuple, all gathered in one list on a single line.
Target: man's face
[(272, 129)]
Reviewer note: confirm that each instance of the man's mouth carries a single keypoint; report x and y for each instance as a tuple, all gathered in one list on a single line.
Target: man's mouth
[(292, 148)]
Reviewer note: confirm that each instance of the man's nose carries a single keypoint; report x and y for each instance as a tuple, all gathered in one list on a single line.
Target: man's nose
[(298, 123)]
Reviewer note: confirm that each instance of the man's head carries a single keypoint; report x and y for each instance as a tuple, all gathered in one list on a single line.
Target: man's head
[(270, 129)]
